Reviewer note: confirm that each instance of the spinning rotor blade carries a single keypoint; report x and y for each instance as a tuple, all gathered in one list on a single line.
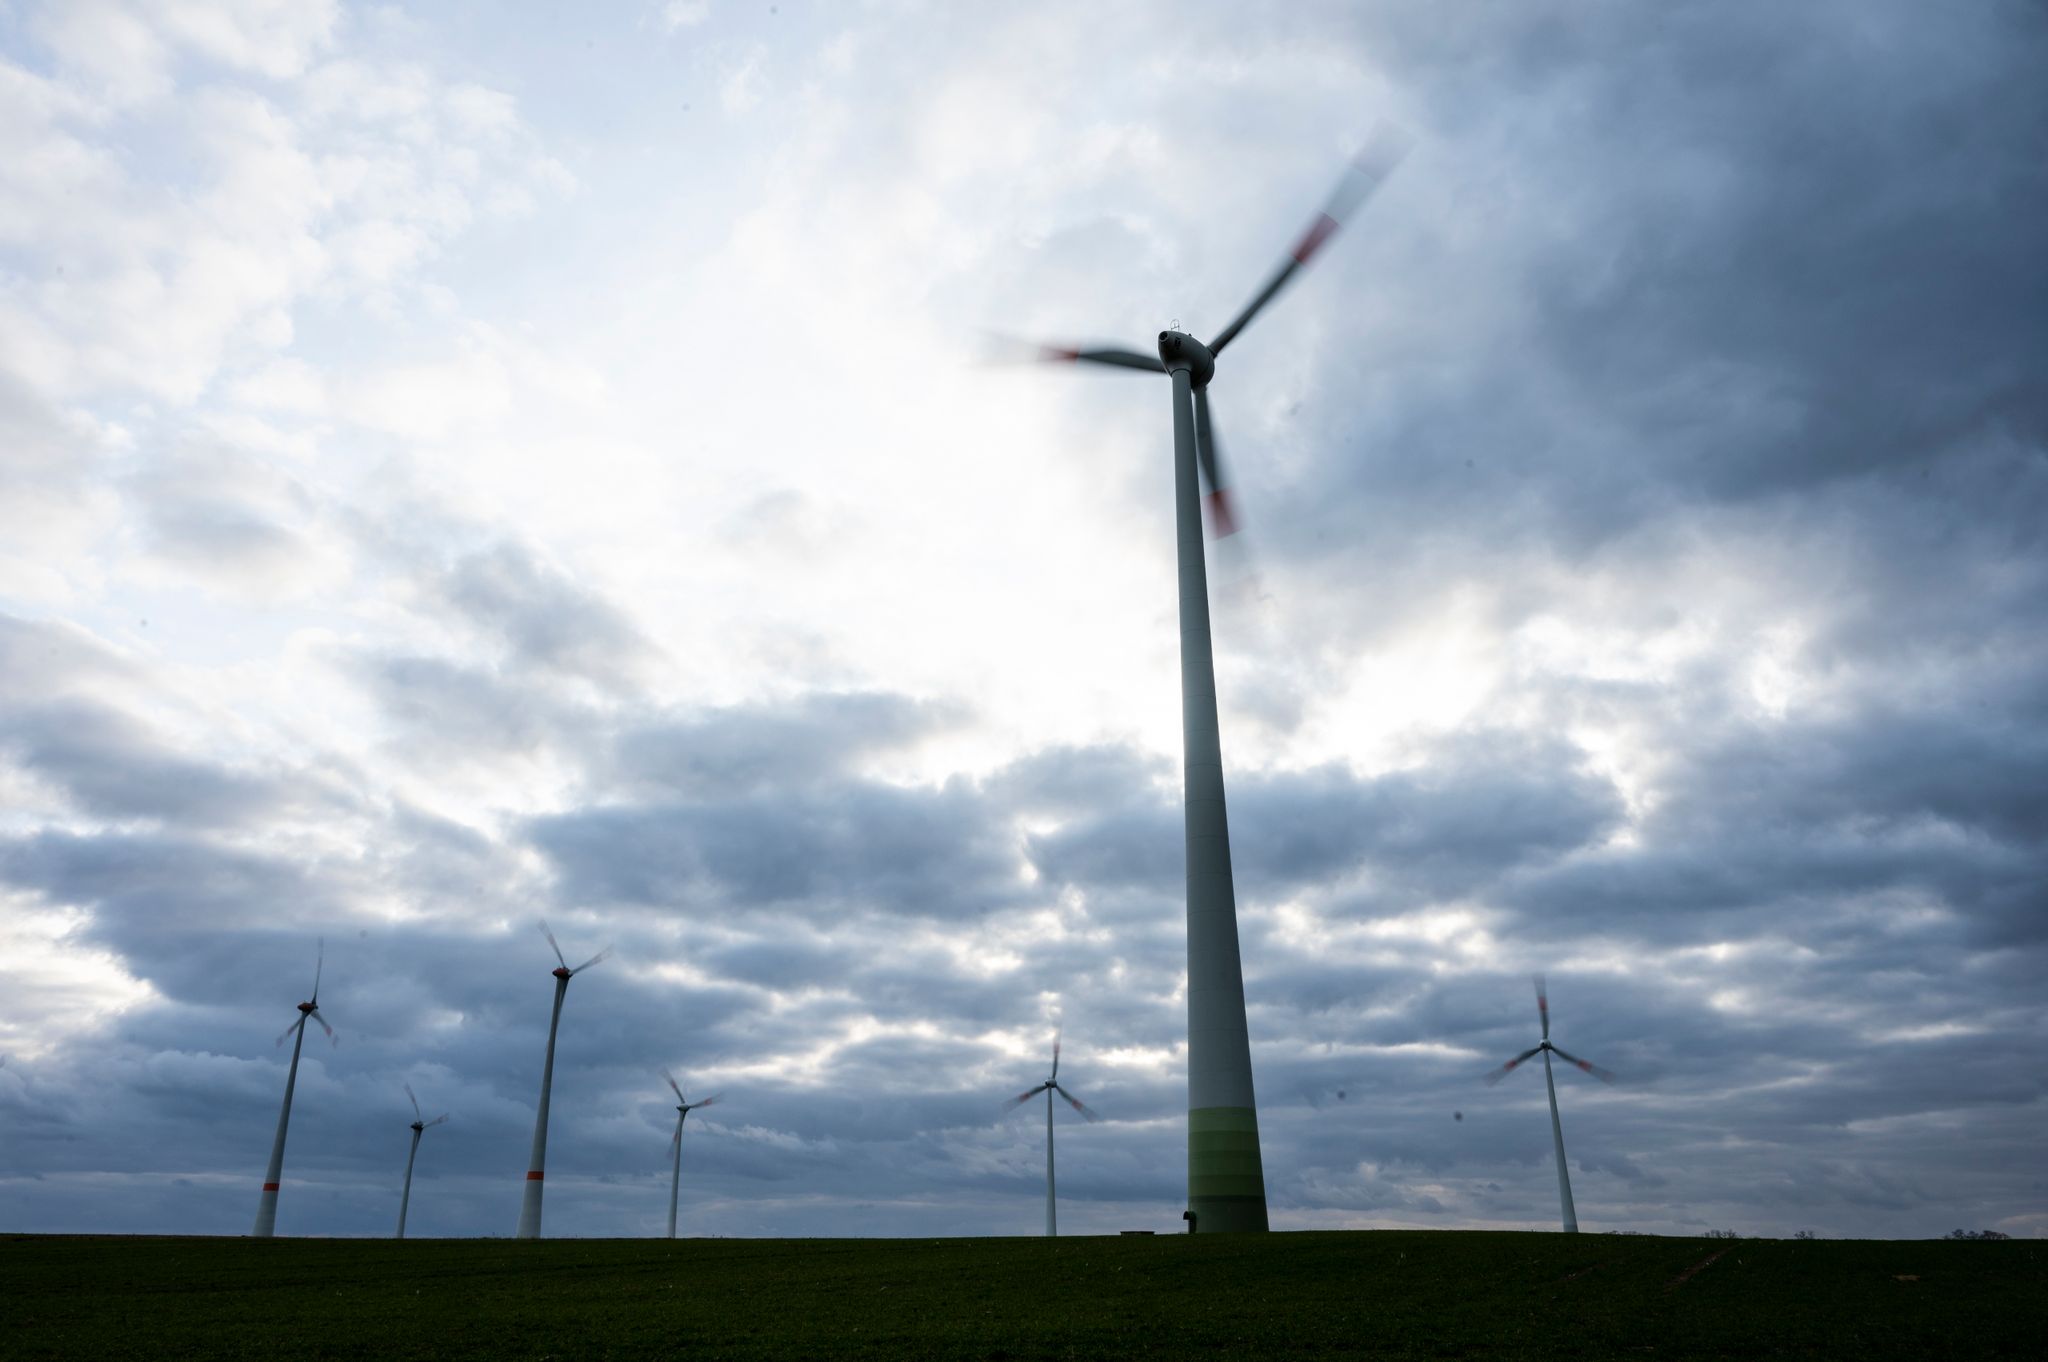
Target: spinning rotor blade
[(1021, 1098), (552, 942), (332, 1039), (1056, 1050), (436, 1121), (712, 1100), (677, 1138), (1604, 1075), (604, 954), (1504, 1070), (289, 1029), (674, 1087), (1075, 354), (1365, 174), (1543, 1005), (1222, 516), (415, 1104), (1076, 1103), (319, 963)]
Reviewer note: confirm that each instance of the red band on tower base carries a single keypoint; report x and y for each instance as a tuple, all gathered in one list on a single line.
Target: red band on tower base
[(535, 1175), (269, 1186)]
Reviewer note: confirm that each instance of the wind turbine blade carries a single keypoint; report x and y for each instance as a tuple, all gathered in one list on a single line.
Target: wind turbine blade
[(604, 954), (415, 1103), (287, 1033), (673, 1086), (319, 964), (1076, 1103), (552, 942), (1504, 1070), (1604, 1075), (1021, 1098), (437, 1120), (1222, 515), (1010, 349), (712, 1100), (1383, 151), (1543, 1004), (1056, 1033), (332, 1039)]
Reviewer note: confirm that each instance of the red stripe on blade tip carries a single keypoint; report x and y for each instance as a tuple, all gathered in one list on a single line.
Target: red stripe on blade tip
[(1221, 519), (1312, 240)]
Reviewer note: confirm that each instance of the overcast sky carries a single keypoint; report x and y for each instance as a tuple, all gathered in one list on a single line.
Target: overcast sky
[(472, 464)]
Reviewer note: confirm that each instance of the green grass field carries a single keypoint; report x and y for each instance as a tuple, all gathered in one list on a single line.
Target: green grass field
[(1380, 1294)]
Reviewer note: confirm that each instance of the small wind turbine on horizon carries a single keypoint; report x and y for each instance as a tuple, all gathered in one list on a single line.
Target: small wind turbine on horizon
[(1226, 1180), (420, 1126), (684, 1106), (266, 1205), (536, 1164), (1546, 1049), (1049, 1087)]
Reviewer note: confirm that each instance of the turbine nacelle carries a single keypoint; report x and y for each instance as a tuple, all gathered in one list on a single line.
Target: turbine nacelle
[(307, 1008), (1179, 350), (561, 971)]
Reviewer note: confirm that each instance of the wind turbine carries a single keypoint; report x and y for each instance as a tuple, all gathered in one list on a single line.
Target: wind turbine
[(1226, 1180), (1546, 1049), (536, 1165), (266, 1205), (1049, 1087), (675, 1177), (420, 1126)]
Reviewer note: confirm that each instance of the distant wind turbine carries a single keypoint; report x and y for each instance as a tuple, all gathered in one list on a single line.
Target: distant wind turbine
[(684, 1106), (1226, 1180), (1049, 1087), (420, 1126), (536, 1165), (1546, 1049), (266, 1205)]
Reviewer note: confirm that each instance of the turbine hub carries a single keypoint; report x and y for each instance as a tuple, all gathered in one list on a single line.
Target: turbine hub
[(307, 1007), (562, 971), (419, 1125), (1179, 350)]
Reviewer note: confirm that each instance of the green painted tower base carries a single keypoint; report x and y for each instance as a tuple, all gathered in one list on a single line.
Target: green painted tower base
[(1226, 1182)]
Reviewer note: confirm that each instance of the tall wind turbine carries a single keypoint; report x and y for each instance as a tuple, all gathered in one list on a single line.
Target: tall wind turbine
[(266, 1205), (536, 1165), (1226, 1180), (420, 1126), (1049, 1087), (684, 1106), (1546, 1049)]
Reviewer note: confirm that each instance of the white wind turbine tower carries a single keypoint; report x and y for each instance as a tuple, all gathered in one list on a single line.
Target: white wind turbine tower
[(420, 1126), (536, 1165), (1226, 1180), (1546, 1049), (266, 1205), (675, 1177), (1049, 1087)]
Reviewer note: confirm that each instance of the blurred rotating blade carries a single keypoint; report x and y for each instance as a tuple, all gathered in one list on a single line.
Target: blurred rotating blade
[(438, 1120), (1076, 1103), (1021, 1098), (1222, 513), (1604, 1075), (711, 1101), (415, 1102), (602, 955), (1056, 1050), (1012, 350), (1543, 1004), (1383, 151), (287, 1033), (553, 943), (675, 1087), (1504, 1070), (319, 964), (332, 1039)]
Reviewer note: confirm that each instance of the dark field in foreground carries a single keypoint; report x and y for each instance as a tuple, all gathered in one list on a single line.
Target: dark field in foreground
[(1381, 1294)]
